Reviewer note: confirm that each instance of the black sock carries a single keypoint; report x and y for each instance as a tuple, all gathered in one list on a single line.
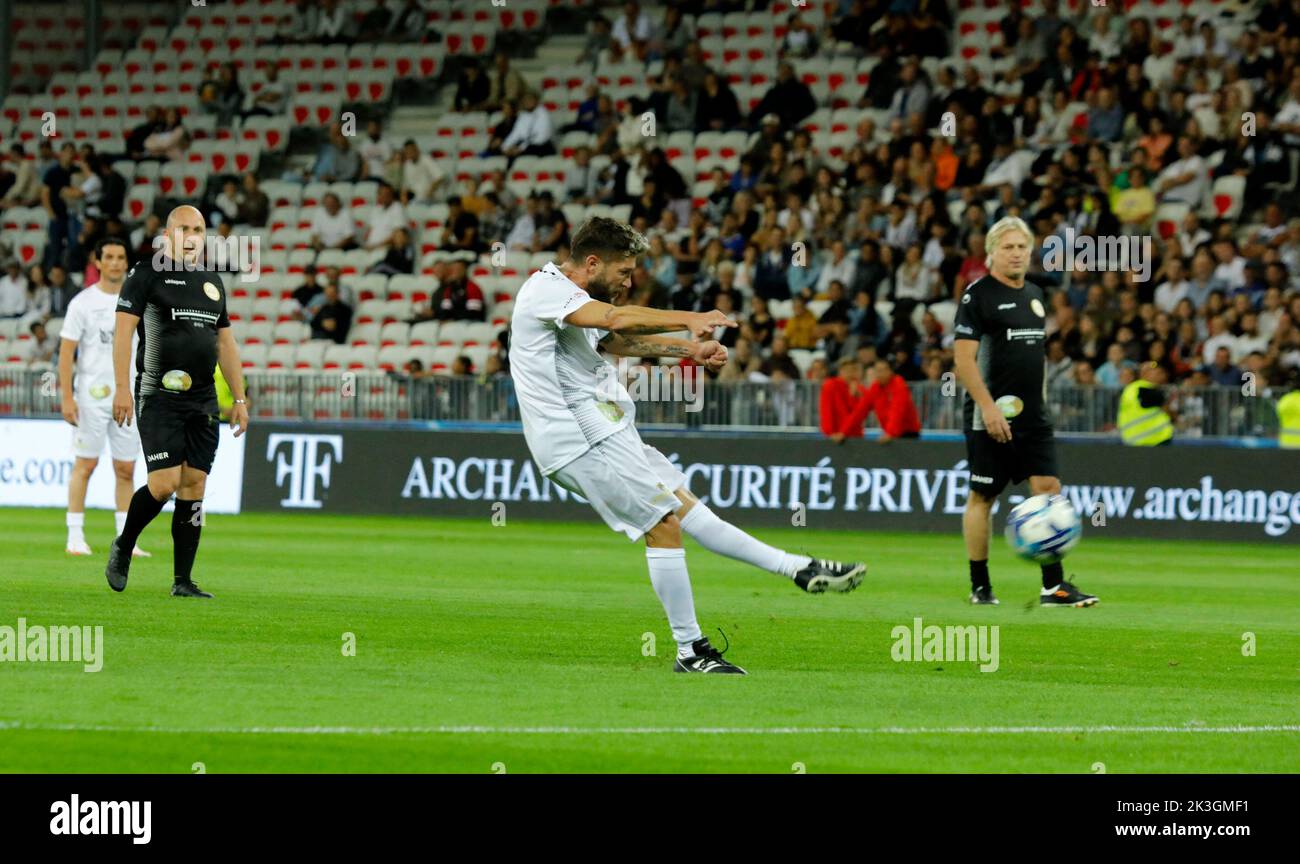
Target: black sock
[(144, 507), (187, 522), (1053, 575), (979, 574)]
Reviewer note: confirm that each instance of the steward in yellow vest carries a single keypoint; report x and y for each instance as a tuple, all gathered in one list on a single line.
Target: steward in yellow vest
[(1143, 420), (1288, 416)]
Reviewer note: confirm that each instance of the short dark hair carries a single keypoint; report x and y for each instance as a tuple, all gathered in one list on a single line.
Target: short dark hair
[(110, 241), (608, 240)]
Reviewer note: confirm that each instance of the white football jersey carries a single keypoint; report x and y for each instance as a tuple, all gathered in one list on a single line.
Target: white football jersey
[(569, 397), (90, 322)]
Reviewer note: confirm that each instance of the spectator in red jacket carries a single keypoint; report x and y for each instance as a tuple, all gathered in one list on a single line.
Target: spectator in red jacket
[(842, 398), (888, 396)]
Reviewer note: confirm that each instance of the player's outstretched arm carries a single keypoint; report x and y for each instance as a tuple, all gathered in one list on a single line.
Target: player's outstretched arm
[(123, 331), (643, 320), (710, 354), (232, 371)]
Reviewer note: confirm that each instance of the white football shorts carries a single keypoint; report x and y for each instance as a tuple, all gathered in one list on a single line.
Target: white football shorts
[(95, 423), (628, 482)]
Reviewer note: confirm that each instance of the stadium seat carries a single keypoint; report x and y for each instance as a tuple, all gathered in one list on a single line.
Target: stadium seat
[(364, 334), (310, 356), (280, 356), (395, 333), (425, 333), (1169, 218), (1226, 197)]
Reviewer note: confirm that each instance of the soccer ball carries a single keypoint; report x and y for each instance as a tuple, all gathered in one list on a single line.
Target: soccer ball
[(1043, 528)]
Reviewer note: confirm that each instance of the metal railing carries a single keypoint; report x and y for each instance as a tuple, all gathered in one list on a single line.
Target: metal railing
[(1214, 411)]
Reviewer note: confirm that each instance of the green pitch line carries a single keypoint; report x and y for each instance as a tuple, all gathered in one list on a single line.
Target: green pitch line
[(523, 648)]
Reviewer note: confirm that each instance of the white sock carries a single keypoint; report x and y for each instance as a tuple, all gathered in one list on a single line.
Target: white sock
[(76, 528), (673, 586), (723, 538), (120, 517)]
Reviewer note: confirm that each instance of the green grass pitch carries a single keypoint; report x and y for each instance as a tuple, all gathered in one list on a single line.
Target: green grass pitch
[(520, 649)]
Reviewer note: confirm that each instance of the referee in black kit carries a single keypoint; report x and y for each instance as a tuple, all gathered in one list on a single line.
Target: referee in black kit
[(999, 349), (179, 311)]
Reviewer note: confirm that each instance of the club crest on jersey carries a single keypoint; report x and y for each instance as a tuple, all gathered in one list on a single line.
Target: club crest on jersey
[(177, 380), (611, 411), (1037, 307), (214, 294)]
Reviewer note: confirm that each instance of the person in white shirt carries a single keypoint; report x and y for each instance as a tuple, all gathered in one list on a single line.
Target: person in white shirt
[(375, 151), (633, 29), (578, 423), (86, 384), (334, 23), (1250, 339), (332, 225), (13, 291), (1220, 337), (532, 132), (271, 97), (1191, 235), (841, 268), (1174, 288), (422, 176), (1185, 180), (1187, 41), (524, 231), (385, 217), (1287, 119), (1231, 267)]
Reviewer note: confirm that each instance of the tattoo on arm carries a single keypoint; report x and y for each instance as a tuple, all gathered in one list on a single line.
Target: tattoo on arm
[(639, 329), (649, 348), (649, 330)]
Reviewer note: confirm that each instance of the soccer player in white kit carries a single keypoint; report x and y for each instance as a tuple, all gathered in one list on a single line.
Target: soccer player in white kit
[(87, 335), (578, 421)]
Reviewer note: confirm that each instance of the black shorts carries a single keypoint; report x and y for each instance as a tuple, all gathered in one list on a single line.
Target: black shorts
[(176, 429), (1030, 453)]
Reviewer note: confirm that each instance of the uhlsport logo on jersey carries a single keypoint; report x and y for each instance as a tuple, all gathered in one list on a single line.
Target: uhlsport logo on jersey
[(73, 817), (305, 462), (37, 643)]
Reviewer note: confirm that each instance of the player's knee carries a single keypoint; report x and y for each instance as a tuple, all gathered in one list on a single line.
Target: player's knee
[(1045, 486), (83, 468), (667, 534), (978, 501), (163, 485), (124, 470)]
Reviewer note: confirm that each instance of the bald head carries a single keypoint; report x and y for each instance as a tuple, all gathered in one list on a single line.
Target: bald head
[(185, 232)]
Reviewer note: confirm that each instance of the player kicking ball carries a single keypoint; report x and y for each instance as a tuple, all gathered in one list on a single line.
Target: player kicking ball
[(86, 383), (178, 311), (999, 349), (578, 422)]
